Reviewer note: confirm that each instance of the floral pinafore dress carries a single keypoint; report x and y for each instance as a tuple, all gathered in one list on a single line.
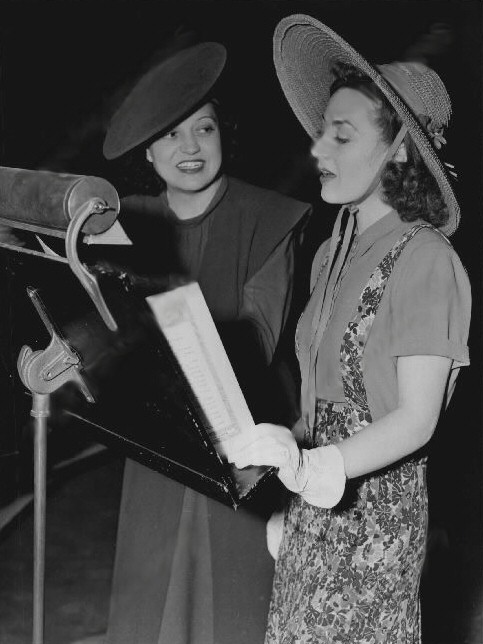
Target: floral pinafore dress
[(351, 574)]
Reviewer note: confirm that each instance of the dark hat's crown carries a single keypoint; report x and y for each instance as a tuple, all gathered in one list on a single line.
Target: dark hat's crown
[(164, 96)]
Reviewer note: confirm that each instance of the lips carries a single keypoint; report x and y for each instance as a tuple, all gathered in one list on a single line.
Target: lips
[(190, 166), (326, 174)]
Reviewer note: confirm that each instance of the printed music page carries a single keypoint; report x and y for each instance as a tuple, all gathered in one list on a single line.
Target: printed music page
[(115, 235), (185, 320)]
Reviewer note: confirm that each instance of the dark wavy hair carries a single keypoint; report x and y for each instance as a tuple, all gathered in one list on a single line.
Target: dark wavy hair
[(135, 175), (408, 187)]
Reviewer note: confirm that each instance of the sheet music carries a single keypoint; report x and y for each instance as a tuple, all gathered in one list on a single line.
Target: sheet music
[(184, 318), (115, 235)]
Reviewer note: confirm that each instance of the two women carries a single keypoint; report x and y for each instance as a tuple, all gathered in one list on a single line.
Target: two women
[(187, 568), (380, 345)]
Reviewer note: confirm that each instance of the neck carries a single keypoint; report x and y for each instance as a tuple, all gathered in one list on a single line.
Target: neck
[(369, 211), (372, 208), (187, 205)]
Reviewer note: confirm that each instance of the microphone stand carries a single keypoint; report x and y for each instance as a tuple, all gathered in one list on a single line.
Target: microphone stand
[(43, 372)]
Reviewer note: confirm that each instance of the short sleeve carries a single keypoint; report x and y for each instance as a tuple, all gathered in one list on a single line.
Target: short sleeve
[(430, 304)]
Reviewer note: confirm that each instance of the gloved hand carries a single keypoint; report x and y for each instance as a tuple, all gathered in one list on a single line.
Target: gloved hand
[(271, 445), (317, 474), (275, 532)]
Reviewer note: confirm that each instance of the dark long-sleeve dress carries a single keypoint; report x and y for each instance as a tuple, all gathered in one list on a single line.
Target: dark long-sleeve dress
[(189, 570)]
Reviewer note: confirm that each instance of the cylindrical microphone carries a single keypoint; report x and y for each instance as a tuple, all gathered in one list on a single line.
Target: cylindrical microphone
[(46, 202)]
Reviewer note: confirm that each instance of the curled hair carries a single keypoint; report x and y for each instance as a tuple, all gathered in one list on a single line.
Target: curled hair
[(136, 175), (408, 187)]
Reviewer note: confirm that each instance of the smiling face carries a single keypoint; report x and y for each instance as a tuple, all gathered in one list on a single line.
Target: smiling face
[(188, 157), (350, 150)]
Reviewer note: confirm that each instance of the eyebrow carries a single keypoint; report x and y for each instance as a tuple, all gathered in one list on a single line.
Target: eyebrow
[(338, 121), (343, 122)]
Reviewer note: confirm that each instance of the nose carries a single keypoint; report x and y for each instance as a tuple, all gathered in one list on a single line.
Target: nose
[(319, 148), (189, 143)]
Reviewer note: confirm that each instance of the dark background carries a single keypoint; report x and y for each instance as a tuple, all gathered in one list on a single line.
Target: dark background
[(64, 67)]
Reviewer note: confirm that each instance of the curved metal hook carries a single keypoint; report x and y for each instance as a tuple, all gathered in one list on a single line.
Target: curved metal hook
[(88, 281)]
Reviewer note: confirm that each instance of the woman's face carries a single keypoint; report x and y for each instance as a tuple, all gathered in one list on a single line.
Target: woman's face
[(350, 149), (188, 157)]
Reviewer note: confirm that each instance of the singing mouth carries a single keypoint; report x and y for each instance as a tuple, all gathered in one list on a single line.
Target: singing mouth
[(326, 174), (190, 166)]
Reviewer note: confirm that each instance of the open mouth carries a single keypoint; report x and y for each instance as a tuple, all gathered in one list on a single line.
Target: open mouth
[(326, 174), (190, 166)]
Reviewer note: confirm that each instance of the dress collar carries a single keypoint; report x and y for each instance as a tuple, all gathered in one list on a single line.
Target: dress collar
[(383, 227)]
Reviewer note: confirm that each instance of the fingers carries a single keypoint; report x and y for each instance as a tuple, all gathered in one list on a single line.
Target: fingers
[(237, 443), (265, 451), (267, 445), (276, 431)]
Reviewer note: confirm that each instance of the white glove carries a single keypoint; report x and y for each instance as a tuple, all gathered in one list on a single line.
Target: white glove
[(325, 476), (275, 532), (317, 474)]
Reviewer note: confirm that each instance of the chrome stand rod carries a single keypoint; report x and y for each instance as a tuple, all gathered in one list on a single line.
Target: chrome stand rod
[(40, 412)]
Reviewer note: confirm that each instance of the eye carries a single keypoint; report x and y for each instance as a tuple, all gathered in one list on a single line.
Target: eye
[(341, 139), (206, 128), (170, 135)]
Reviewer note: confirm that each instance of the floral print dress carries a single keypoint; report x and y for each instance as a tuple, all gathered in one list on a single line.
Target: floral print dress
[(350, 574)]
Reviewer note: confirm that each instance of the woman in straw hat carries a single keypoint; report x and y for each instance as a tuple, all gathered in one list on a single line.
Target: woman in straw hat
[(380, 344), (188, 569)]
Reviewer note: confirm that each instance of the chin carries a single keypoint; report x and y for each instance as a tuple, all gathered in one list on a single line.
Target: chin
[(336, 197), (329, 197), (196, 184)]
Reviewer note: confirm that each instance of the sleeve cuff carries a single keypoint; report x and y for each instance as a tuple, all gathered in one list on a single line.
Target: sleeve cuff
[(457, 352), (325, 476)]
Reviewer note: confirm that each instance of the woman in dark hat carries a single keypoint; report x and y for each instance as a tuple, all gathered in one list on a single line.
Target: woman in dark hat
[(188, 569), (380, 345)]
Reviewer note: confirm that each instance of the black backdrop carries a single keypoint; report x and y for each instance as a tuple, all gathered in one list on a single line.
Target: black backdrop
[(62, 64)]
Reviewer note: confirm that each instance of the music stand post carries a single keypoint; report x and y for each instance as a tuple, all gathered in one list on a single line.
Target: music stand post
[(43, 372)]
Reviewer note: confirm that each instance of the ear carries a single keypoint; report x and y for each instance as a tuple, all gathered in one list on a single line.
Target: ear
[(149, 156), (401, 155)]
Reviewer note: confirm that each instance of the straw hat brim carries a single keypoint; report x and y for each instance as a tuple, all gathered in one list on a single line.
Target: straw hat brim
[(305, 52), (164, 96)]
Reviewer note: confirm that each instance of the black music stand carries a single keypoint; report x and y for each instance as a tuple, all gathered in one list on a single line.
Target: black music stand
[(109, 369)]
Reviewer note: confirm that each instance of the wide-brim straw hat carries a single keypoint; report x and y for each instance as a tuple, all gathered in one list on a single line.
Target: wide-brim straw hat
[(164, 96), (305, 53)]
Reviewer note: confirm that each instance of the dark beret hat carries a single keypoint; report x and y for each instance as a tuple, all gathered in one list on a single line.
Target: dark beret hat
[(163, 96)]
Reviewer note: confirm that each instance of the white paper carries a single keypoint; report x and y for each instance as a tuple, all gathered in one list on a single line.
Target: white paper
[(115, 235), (184, 318)]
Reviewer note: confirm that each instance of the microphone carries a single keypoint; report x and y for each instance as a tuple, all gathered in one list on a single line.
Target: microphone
[(46, 202), (62, 205)]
